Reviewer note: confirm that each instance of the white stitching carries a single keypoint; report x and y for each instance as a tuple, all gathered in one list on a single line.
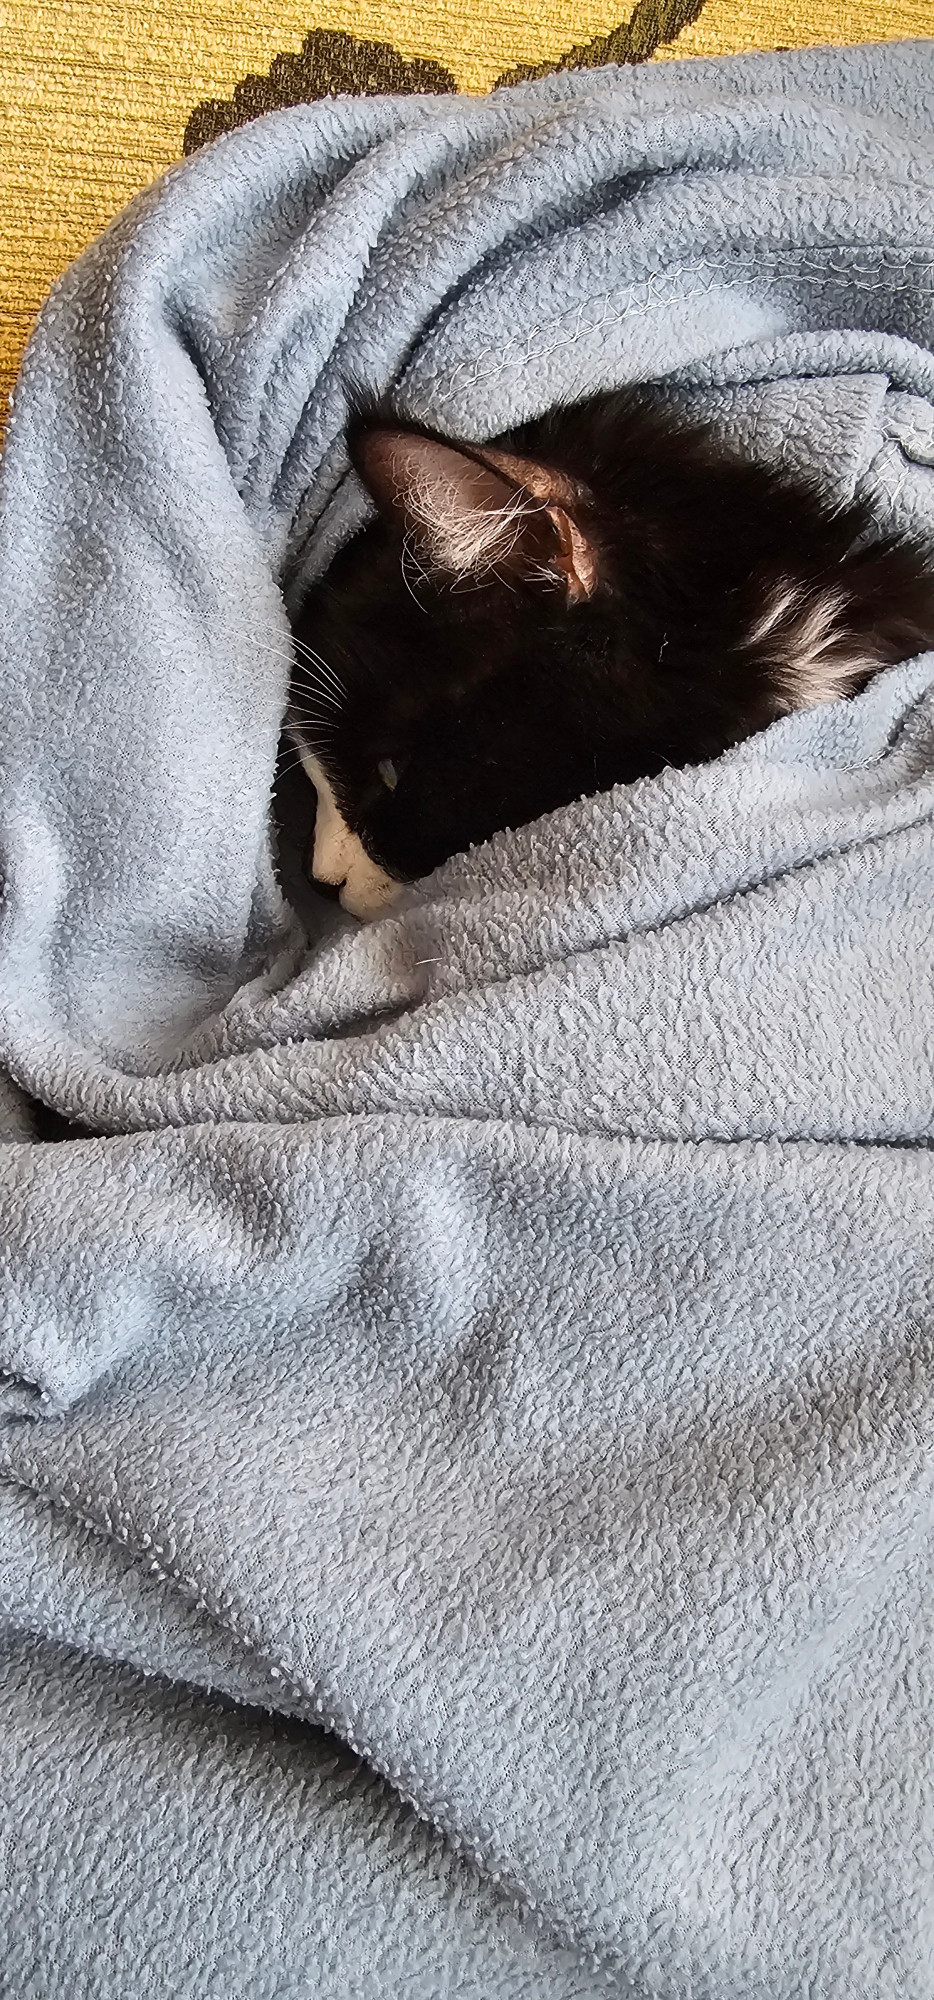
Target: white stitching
[(468, 374)]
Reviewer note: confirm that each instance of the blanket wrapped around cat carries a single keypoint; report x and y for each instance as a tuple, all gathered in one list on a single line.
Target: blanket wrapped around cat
[(468, 1402)]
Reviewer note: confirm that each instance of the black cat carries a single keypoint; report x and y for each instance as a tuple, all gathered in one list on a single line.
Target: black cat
[(599, 594)]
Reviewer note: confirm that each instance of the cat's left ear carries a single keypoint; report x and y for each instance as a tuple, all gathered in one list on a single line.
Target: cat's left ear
[(478, 511)]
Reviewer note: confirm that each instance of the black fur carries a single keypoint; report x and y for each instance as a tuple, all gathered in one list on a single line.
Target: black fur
[(497, 698)]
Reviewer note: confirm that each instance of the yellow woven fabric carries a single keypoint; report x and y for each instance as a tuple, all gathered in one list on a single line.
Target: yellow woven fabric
[(727, 26), (97, 95)]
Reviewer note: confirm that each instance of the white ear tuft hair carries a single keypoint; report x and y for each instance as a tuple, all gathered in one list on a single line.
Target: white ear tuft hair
[(475, 513), (464, 528), (464, 515)]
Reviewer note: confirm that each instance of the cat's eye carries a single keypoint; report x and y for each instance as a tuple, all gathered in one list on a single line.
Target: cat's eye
[(388, 773)]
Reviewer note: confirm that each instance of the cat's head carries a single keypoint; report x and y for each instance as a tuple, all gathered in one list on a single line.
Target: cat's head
[(591, 599)]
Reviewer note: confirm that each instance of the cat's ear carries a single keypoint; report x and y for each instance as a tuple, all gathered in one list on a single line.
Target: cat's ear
[(476, 513)]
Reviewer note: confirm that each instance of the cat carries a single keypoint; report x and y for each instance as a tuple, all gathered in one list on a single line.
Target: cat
[(596, 595)]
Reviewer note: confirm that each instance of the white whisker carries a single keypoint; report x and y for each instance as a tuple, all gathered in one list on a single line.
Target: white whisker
[(308, 656), (321, 725), (314, 673), (274, 653), (289, 763), (303, 659), (408, 559), (308, 687)]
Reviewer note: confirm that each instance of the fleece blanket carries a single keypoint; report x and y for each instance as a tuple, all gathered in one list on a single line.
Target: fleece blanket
[(467, 1391)]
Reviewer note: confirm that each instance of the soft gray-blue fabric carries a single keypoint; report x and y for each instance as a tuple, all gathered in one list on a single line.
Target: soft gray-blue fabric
[(468, 1409)]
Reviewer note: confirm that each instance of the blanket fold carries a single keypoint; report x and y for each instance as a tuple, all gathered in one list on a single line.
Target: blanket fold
[(466, 1397)]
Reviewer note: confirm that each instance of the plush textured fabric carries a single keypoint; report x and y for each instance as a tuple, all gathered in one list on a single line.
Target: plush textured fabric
[(468, 1414)]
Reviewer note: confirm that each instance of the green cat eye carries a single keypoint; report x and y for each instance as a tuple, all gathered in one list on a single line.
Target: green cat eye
[(388, 773)]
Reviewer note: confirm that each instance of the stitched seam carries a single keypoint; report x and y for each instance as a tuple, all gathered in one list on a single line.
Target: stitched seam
[(469, 373)]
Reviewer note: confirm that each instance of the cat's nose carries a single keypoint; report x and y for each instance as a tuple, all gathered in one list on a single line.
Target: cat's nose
[(344, 870), (369, 892), (349, 877)]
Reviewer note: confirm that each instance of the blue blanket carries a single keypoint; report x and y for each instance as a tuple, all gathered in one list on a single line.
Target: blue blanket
[(467, 1401)]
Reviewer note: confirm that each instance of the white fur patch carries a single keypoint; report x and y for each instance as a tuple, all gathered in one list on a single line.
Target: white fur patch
[(804, 635), (340, 857)]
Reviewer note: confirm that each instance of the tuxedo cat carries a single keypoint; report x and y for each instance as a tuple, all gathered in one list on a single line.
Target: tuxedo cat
[(575, 605)]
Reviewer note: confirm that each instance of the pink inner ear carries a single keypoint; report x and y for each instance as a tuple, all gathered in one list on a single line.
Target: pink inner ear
[(574, 559)]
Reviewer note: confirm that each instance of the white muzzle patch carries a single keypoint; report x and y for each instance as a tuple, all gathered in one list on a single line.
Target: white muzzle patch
[(340, 858)]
